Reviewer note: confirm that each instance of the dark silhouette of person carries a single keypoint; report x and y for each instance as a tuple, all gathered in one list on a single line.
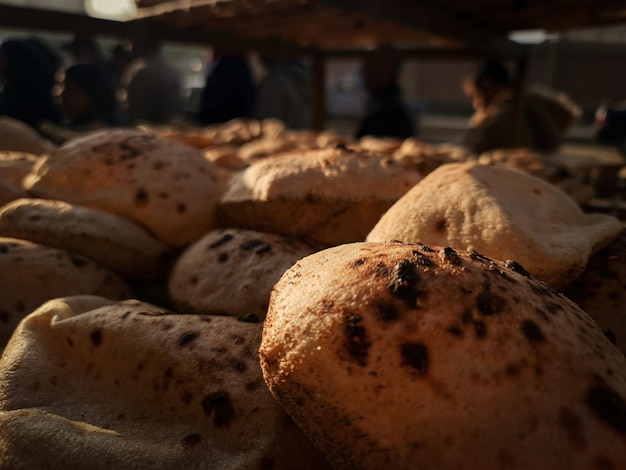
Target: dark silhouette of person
[(27, 72), (285, 93), (539, 122), (84, 49), (89, 97), (153, 85), (229, 91), (387, 115)]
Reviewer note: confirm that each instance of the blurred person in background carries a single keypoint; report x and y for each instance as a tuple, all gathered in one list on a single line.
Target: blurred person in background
[(540, 121), (28, 74), (285, 93), (83, 49), (88, 101), (89, 98), (386, 115), (229, 91), (153, 90)]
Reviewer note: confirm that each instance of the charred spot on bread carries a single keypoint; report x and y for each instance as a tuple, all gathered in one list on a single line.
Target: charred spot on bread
[(518, 268), (188, 337), (222, 258), (249, 318), (264, 249), (608, 406), (404, 278), (96, 337), (222, 240), (449, 255), (191, 440), (141, 197), (250, 244), (532, 332), (386, 311), (357, 342), (221, 407), (415, 355), (77, 261), (489, 303), (441, 225)]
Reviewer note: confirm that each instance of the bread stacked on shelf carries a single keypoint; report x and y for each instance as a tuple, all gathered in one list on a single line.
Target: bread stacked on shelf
[(140, 265)]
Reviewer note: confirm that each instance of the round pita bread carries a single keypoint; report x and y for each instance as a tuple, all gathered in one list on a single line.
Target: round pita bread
[(31, 274), (405, 356), (330, 196), (14, 166), (502, 213), (232, 271), (112, 241), (92, 383), (166, 186)]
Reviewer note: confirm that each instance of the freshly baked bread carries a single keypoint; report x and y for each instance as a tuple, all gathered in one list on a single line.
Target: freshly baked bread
[(20, 137), (90, 383), (31, 274), (232, 271), (601, 289), (112, 241), (405, 356), (166, 186), (331, 196), (14, 166), (502, 213)]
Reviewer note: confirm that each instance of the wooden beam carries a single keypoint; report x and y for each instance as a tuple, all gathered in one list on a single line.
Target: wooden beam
[(432, 19), (16, 17)]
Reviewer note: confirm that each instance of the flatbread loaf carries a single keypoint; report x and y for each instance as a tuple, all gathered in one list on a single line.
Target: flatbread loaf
[(166, 186), (20, 137), (14, 166), (89, 383), (502, 213), (115, 242), (406, 356), (601, 289), (331, 196), (31, 274), (232, 271)]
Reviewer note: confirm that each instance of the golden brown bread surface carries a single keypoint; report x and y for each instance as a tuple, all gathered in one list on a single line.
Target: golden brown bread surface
[(166, 186), (31, 274), (232, 271), (331, 195), (92, 383), (14, 166), (501, 213), (115, 242), (403, 356)]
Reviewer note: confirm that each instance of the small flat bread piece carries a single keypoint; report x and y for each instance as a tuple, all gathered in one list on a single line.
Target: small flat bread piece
[(14, 166), (501, 213), (31, 274), (20, 137), (166, 186), (409, 356), (330, 196), (601, 289), (115, 242), (92, 383), (232, 271)]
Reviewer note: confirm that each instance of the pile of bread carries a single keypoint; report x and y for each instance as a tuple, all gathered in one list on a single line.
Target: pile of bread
[(246, 296)]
